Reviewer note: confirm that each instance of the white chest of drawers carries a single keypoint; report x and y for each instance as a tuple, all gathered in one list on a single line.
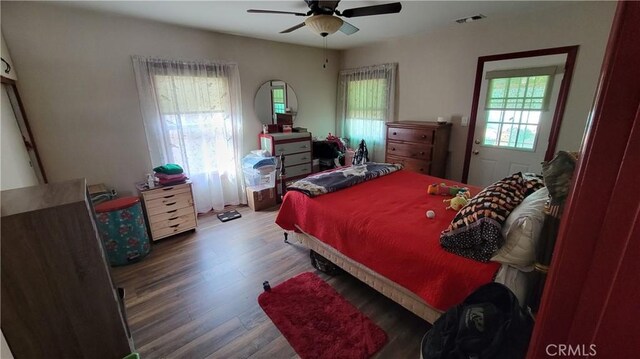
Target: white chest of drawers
[(170, 210), (296, 148)]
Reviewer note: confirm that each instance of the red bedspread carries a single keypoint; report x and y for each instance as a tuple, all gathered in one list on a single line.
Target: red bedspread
[(382, 224)]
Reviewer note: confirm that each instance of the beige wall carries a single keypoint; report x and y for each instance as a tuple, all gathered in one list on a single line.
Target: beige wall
[(437, 71), (79, 91)]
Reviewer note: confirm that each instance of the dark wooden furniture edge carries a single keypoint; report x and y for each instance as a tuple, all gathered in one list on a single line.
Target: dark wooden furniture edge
[(12, 83)]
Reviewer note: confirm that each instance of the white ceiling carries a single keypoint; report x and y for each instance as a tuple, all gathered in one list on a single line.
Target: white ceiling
[(231, 17)]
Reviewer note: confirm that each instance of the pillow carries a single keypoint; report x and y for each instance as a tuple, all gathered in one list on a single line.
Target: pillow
[(522, 232), (533, 182), (475, 231)]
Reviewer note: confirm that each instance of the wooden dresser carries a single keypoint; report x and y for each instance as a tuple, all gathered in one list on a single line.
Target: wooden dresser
[(58, 298), (296, 147), (420, 146), (170, 209)]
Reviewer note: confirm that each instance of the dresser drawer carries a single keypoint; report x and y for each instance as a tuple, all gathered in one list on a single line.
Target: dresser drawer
[(421, 152), (411, 164), (171, 221), (299, 170), (172, 213), (168, 207), (292, 147), (169, 200), (410, 134), (166, 191), (158, 233), (297, 159)]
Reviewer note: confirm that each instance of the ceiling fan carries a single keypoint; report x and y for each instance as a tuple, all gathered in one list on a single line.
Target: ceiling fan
[(324, 19)]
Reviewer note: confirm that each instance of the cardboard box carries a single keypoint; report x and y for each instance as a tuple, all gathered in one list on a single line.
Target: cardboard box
[(260, 198)]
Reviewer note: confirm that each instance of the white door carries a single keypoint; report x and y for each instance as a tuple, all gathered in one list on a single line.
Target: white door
[(510, 140), (16, 169)]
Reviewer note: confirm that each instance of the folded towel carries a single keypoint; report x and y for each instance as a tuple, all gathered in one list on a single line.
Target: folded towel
[(169, 168), (176, 179), (163, 176), (174, 182)]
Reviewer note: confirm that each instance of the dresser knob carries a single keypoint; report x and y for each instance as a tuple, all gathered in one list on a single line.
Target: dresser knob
[(424, 136), (393, 149), (422, 153), (422, 170), (394, 133)]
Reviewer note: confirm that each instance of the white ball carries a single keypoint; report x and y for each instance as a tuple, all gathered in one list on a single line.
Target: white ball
[(431, 214)]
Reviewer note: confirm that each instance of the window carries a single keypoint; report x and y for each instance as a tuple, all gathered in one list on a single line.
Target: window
[(278, 100), (513, 110), (194, 115), (366, 101)]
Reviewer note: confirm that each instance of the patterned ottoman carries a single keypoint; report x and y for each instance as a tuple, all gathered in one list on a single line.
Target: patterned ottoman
[(122, 229)]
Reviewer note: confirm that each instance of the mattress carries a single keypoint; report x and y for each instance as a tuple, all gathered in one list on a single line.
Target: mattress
[(382, 224)]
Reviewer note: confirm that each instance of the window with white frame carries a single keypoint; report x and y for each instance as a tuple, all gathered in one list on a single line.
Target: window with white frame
[(515, 102)]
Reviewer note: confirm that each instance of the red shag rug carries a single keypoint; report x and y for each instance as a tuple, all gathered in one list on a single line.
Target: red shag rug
[(318, 322)]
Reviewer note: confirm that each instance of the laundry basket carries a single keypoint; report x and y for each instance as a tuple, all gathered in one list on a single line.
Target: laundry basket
[(123, 230)]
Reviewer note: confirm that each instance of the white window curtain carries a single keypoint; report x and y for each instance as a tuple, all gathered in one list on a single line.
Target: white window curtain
[(366, 102), (192, 116)]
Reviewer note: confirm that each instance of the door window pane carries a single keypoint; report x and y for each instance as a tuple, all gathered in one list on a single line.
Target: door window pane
[(512, 129)]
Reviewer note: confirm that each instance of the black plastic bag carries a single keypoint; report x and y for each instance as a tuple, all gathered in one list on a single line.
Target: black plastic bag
[(489, 323)]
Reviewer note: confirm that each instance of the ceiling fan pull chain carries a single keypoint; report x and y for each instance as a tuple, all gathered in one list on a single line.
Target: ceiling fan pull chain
[(326, 59)]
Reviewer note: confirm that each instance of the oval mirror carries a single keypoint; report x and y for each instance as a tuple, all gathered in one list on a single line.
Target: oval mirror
[(275, 97)]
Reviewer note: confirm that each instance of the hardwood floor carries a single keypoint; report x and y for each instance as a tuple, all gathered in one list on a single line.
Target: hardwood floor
[(195, 295)]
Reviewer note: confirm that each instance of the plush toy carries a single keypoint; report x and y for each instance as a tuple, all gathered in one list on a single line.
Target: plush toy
[(444, 190), (456, 203)]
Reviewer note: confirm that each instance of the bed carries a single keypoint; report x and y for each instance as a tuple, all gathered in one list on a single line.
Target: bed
[(378, 232)]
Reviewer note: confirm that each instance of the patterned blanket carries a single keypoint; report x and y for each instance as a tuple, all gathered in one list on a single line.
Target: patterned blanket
[(327, 182)]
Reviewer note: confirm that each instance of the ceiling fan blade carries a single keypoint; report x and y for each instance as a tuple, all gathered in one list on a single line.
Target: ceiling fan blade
[(348, 28), (391, 8), (292, 28), (254, 11)]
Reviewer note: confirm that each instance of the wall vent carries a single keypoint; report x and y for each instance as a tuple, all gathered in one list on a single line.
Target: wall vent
[(470, 19)]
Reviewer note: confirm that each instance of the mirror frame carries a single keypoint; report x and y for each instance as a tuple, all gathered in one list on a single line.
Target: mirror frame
[(266, 91)]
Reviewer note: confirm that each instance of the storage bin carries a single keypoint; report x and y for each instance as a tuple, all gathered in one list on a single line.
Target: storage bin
[(263, 178), (123, 230)]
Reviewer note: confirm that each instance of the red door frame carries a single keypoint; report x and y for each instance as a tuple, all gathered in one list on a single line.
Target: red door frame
[(572, 53), (592, 292)]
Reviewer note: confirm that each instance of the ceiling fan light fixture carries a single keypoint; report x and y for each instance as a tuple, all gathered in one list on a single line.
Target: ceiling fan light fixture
[(323, 25)]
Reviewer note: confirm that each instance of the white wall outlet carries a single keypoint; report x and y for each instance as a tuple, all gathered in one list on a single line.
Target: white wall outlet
[(464, 121)]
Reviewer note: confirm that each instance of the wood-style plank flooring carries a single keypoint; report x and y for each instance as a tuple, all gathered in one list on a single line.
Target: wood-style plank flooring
[(195, 295)]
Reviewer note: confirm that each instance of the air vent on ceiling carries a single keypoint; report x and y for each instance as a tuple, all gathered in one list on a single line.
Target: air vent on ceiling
[(470, 19)]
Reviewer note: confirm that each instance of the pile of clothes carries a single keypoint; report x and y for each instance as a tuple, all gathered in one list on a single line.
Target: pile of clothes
[(170, 174)]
